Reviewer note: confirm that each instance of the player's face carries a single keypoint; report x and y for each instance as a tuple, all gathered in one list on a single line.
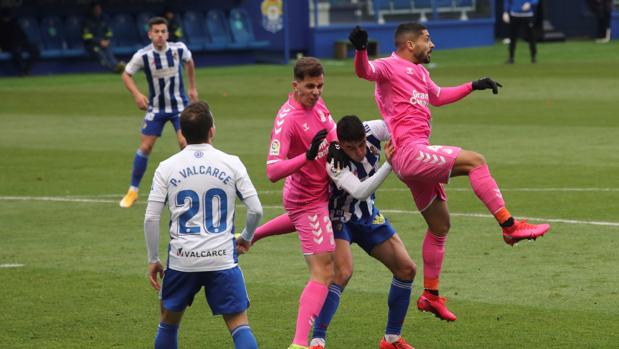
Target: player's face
[(423, 47), (308, 91), (354, 149), (158, 35)]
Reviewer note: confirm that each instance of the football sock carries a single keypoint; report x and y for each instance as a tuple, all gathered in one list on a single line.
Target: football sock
[(167, 336), (392, 338), (433, 251), (398, 300), (311, 301), (328, 310), (276, 226), (139, 167), (486, 189), (244, 338), (504, 218)]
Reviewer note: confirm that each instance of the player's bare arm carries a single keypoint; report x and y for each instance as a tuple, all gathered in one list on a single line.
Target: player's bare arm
[(140, 100), (191, 75)]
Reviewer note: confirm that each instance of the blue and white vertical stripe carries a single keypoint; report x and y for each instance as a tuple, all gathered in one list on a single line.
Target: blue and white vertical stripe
[(164, 75)]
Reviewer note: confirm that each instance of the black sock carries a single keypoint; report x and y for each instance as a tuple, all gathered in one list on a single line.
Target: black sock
[(508, 223), (434, 292)]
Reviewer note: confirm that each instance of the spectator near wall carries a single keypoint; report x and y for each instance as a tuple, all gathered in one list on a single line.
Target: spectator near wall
[(97, 34), (14, 41), (602, 10)]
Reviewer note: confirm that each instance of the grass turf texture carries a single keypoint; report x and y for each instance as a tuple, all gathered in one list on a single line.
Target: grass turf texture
[(552, 127)]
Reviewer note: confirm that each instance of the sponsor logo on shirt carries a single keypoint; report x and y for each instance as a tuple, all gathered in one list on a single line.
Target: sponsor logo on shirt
[(305, 127), (419, 98), (323, 118), (409, 71), (200, 254), (275, 145)]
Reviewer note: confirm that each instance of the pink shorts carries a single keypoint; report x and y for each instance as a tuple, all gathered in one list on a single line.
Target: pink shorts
[(424, 169), (315, 229)]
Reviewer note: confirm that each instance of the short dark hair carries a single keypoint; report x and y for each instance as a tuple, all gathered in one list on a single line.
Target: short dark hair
[(408, 28), (350, 129), (307, 66), (157, 20), (196, 121)]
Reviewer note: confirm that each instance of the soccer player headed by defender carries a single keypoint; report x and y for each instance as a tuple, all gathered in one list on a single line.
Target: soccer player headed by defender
[(356, 219), (298, 151), (200, 184), (404, 91), (162, 62)]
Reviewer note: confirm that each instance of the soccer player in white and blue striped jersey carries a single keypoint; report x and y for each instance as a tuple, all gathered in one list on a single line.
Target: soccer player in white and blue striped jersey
[(200, 184), (162, 62)]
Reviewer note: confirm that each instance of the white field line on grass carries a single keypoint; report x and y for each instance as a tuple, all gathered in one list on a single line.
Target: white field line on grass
[(457, 214), (11, 265)]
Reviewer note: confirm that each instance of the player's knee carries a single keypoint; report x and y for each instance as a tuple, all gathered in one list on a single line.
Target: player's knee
[(440, 229), (407, 271), (343, 275), (146, 149), (477, 159)]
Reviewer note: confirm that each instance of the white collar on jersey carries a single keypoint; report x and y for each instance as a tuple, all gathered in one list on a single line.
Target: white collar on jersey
[(201, 146)]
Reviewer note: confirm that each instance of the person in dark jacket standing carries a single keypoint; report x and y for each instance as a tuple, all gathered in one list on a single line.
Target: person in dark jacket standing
[(97, 34), (175, 30), (14, 41), (602, 9), (519, 14)]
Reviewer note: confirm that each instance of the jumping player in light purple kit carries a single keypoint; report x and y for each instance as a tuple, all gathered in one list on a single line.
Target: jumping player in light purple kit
[(404, 90), (298, 150)]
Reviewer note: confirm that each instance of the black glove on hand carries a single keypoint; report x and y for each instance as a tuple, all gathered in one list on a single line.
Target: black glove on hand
[(337, 155), (359, 38), (312, 152), (486, 83)]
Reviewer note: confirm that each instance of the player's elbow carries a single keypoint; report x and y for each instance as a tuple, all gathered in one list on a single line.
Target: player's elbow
[(360, 195)]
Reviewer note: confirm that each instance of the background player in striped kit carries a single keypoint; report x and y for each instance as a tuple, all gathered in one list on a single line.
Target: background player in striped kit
[(200, 185), (404, 91), (162, 62)]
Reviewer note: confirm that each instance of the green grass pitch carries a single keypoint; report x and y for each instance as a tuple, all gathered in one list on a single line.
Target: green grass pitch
[(551, 138)]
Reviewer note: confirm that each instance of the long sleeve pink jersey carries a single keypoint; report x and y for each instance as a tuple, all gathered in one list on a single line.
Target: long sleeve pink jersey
[(307, 181), (403, 92)]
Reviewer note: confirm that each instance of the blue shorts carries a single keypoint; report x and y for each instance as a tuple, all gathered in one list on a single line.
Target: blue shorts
[(366, 235), (154, 122), (224, 290)]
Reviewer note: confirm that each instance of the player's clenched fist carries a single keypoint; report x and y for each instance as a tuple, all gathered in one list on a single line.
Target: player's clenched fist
[(359, 38), (312, 152)]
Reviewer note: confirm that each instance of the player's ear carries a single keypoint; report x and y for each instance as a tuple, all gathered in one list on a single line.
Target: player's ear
[(295, 84), (211, 133)]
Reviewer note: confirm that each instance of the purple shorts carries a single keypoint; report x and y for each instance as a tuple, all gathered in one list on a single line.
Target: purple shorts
[(424, 169)]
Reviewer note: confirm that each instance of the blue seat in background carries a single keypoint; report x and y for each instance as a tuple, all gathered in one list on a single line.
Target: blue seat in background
[(52, 33), (141, 23), (196, 36), (73, 36), (30, 26), (217, 27), (125, 38), (242, 30)]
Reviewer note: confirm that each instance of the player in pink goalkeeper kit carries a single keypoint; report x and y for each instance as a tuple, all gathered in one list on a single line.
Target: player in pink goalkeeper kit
[(404, 91), (298, 150)]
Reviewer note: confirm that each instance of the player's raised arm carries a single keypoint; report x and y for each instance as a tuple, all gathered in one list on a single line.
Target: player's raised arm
[(363, 68), (279, 167)]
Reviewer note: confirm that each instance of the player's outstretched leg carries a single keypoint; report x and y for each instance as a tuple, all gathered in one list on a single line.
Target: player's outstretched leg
[(276, 226), (485, 187), (488, 192), (139, 167)]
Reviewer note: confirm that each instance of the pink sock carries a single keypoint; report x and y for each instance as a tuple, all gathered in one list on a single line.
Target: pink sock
[(486, 188), (276, 226), (433, 252), (310, 303)]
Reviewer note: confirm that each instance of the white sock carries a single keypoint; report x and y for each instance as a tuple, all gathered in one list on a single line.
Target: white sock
[(392, 338), (133, 188), (317, 341)]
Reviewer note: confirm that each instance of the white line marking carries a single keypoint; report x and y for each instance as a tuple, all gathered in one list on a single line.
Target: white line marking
[(458, 214), (11, 265)]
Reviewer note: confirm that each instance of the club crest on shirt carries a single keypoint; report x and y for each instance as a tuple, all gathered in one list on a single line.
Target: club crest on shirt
[(323, 118), (305, 127), (409, 71), (274, 148), (198, 154)]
